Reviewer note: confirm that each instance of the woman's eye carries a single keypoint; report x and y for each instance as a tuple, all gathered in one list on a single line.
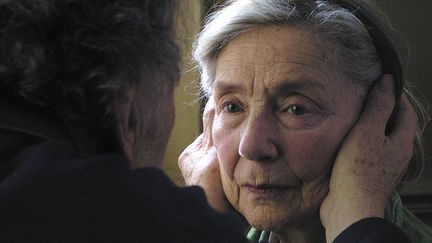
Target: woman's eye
[(232, 108), (297, 110)]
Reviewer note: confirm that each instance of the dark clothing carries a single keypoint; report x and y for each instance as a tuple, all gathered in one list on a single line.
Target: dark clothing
[(55, 196), (53, 191), (369, 230), (372, 230)]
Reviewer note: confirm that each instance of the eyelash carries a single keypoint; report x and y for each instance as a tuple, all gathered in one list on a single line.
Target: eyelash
[(226, 105), (232, 107), (303, 110)]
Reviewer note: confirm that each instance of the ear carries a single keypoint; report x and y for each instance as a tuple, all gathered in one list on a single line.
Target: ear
[(126, 125)]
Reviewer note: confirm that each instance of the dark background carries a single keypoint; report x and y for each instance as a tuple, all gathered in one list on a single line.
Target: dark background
[(413, 20)]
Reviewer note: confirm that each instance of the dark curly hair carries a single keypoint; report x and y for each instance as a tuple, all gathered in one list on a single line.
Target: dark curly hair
[(77, 57)]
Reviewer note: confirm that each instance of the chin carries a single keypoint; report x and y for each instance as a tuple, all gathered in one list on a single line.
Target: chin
[(270, 219)]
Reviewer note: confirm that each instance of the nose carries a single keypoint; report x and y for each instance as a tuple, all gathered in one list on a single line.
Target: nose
[(257, 142)]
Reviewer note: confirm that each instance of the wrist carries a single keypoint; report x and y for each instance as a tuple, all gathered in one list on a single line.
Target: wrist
[(343, 213)]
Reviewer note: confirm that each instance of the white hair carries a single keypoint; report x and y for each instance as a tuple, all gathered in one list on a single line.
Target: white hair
[(344, 37)]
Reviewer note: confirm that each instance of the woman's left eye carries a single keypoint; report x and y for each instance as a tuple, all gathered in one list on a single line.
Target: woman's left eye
[(297, 110)]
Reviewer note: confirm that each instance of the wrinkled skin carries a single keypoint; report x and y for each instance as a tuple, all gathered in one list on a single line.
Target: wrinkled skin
[(199, 164), (145, 124), (370, 164), (281, 114), (367, 168)]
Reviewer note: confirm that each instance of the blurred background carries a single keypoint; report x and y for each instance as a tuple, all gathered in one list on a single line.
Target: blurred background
[(412, 19)]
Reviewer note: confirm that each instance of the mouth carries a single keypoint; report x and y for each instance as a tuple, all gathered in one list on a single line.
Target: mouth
[(266, 190)]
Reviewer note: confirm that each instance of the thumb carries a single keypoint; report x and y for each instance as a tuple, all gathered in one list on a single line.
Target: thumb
[(379, 106)]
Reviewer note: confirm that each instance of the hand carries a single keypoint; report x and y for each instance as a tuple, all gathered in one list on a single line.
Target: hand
[(369, 164), (199, 165)]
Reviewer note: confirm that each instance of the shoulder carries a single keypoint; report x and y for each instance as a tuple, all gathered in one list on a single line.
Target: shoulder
[(55, 195), (416, 230), (182, 214)]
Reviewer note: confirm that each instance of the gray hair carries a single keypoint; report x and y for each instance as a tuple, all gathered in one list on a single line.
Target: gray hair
[(347, 41)]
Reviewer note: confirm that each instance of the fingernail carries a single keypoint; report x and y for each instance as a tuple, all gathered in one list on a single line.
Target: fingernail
[(386, 84)]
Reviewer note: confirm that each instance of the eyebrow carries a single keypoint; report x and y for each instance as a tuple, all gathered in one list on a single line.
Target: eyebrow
[(228, 87), (281, 88), (296, 85)]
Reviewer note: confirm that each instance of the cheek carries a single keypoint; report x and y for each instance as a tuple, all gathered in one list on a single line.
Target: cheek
[(226, 141), (312, 154)]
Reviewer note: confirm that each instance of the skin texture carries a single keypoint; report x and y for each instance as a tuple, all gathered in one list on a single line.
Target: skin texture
[(146, 123), (206, 172), (367, 167), (281, 115), (370, 164)]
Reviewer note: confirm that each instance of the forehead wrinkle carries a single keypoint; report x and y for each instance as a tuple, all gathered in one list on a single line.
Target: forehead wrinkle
[(300, 84), (296, 67), (262, 72), (311, 71), (312, 60), (257, 88), (230, 78), (228, 87), (275, 83), (318, 67), (236, 73)]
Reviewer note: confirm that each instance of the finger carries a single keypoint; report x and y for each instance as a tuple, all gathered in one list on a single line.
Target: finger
[(208, 116), (406, 121), (379, 106), (188, 150)]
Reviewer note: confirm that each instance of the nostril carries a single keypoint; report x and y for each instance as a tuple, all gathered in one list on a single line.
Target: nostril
[(260, 151), (266, 158)]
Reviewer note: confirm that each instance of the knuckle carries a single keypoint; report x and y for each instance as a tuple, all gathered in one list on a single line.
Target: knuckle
[(182, 159)]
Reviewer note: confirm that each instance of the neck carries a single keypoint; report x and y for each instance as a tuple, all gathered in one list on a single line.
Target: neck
[(310, 232)]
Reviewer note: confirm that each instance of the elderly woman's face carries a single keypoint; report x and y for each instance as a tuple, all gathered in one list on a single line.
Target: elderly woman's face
[(281, 114)]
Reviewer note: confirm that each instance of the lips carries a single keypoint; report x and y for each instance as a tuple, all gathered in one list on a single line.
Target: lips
[(266, 190)]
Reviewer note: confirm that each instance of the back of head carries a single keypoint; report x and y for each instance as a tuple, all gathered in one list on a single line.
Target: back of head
[(77, 58)]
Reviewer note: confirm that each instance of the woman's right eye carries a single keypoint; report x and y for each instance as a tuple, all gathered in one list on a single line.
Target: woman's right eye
[(232, 108)]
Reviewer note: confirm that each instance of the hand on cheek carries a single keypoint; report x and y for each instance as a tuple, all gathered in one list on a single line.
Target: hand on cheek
[(369, 164), (199, 164)]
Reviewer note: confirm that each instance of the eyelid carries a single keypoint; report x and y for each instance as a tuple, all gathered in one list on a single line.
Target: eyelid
[(297, 105), (229, 102), (295, 95), (229, 99), (290, 101)]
